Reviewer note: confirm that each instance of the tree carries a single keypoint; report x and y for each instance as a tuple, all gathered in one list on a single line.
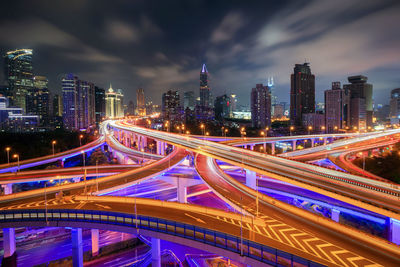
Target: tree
[(99, 157)]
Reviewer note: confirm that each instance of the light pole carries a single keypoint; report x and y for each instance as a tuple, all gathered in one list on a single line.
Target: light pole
[(52, 145), (363, 157), (45, 201), (291, 128), (16, 156), (203, 131), (323, 129), (97, 176), (142, 156), (225, 131), (264, 144), (80, 140), (8, 154), (335, 128), (309, 129)]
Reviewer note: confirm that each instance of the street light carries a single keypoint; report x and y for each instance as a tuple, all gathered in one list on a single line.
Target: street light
[(225, 131), (8, 154), (80, 139), (323, 128), (363, 157), (264, 144), (291, 128), (52, 144), (142, 156), (17, 157), (309, 129), (335, 128)]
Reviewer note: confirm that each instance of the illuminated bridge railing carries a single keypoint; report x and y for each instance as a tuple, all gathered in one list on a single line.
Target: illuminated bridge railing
[(228, 242)]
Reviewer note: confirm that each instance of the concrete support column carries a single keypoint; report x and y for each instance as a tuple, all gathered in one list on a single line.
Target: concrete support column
[(312, 142), (294, 143), (181, 191), (155, 252), (325, 141), (251, 179), (393, 229), (95, 241), (335, 215), (9, 237), (251, 147), (77, 247), (144, 141), (8, 242), (7, 188), (265, 147), (273, 148)]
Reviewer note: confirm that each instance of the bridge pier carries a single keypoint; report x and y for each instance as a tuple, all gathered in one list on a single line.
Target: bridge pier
[(273, 148), (265, 147), (77, 247), (10, 257), (251, 179), (335, 215), (294, 142), (251, 147), (312, 142), (325, 141), (181, 191), (95, 241), (155, 252), (393, 230)]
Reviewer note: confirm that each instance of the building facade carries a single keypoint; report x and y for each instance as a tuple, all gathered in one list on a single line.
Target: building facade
[(222, 107), (260, 106), (114, 103), (337, 108), (188, 100), (38, 100), (171, 109), (78, 103), (140, 102), (395, 106), (100, 103), (302, 93), (205, 93), (19, 75), (361, 103)]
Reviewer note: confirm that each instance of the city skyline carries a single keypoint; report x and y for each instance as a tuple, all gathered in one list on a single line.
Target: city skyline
[(239, 50)]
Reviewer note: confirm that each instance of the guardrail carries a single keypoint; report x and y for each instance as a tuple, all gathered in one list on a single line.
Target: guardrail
[(225, 241)]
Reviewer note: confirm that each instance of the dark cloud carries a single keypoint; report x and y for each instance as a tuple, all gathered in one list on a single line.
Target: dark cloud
[(161, 45)]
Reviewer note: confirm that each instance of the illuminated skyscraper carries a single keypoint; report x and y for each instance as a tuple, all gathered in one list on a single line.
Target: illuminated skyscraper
[(19, 74), (205, 93), (260, 106), (171, 106), (38, 99), (395, 105), (100, 103), (78, 103), (361, 104), (114, 103), (140, 102), (302, 93), (337, 108)]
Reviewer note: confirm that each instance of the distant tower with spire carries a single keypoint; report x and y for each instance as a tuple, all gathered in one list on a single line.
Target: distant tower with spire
[(271, 85), (205, 93)]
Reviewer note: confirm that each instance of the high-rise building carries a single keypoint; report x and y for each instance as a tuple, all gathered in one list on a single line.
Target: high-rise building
[(37, 100), (131, 108), (57, 106), (114, 103), (260, 106), (232, 105), (140, 102), (222, 107), (337, 108), (395, 105), (78, 103), (100, 103), (171, 109), (361, 104), (271, 85), (188, 100), (205, 94), (19, 75), (302, 93)]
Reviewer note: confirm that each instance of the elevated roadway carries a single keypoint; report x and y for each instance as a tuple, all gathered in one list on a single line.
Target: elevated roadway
[(376, 196)]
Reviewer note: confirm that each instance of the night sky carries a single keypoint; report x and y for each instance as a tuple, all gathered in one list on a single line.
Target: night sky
[(161, 45)]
